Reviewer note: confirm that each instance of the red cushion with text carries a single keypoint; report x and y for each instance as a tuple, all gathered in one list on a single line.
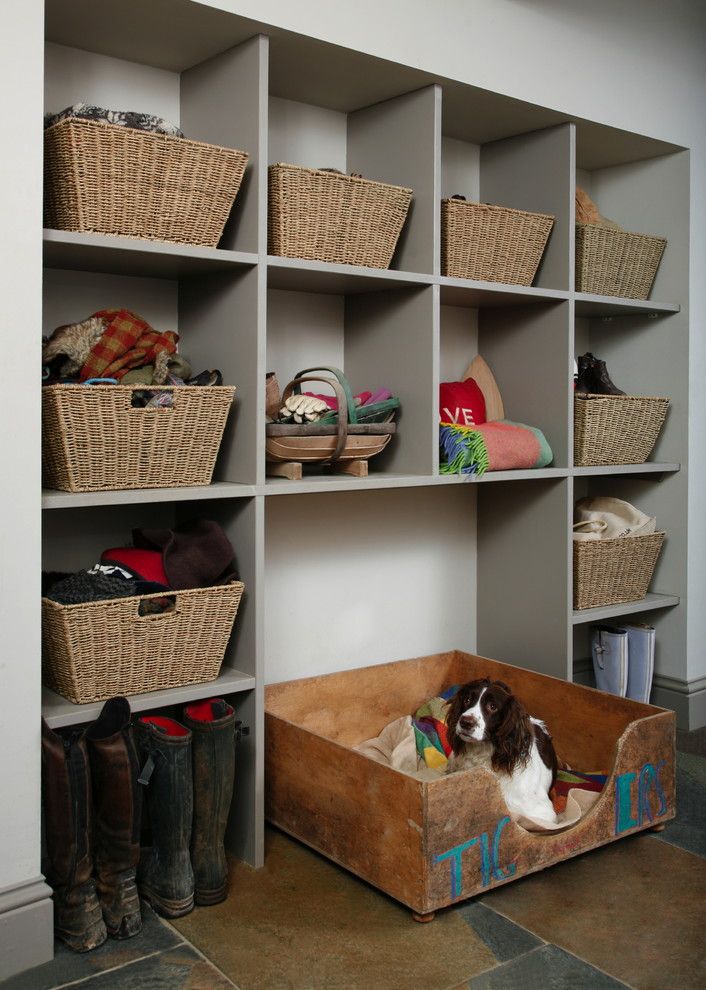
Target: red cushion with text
[(461, 403)]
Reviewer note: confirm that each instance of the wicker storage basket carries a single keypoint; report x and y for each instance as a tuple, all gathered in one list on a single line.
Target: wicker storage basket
[(613, 262), (117, 180), (96, 650), (326, 216), (607, 572), (94, 440), (492, 243), (616, 429)]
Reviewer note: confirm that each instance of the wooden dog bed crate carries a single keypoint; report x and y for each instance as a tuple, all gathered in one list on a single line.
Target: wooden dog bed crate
[(431, 843)]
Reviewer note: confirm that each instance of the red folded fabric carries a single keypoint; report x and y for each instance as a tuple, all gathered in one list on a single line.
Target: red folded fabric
[(127, 342), (146, 564)]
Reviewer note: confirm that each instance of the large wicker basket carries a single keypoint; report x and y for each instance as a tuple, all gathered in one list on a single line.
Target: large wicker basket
[(96, 650), (95, 440), (612, 262), (607, 572), (492, 243), (616, 429), (326, 216), (117, 180)]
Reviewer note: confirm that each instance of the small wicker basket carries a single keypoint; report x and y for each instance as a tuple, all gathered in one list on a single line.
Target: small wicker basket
[(612, 262), (96, 650), (616, 429), (607, 572), (326, 216), (118, 180), (94, 439), (492, 243)]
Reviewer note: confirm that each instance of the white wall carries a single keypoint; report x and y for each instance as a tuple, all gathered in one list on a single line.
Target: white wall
[(636, 64), (20, 259)]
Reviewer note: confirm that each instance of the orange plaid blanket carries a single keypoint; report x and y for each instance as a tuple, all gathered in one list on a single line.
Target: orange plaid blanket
[(127, 342)]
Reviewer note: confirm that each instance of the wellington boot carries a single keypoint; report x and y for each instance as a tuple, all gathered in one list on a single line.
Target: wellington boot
[(609, 648), (117, 801), (214, 726), (66, 795), (165, 877)]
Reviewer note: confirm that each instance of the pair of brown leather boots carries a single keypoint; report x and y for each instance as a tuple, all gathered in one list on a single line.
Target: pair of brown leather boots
[(92, 796)]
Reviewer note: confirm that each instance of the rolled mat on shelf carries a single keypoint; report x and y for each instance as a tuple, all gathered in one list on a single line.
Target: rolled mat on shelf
[(323, 215), (492, 243), (95, 650), (613, 262), (111, 179), (616, 429), (607, 572), (95, 440)]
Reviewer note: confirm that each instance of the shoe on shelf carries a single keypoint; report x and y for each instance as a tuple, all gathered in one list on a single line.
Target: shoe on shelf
[(593, 377)]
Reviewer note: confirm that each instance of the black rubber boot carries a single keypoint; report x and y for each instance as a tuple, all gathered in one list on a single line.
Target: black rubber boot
[(66, 796), (117, 800), (165, 877), (214, 726), (593, 377)]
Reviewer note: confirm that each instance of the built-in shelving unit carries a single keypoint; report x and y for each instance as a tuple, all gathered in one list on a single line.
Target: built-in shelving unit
[(506, 537)]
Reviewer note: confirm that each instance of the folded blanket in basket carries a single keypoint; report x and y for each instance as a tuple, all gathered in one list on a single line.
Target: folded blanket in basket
[(123, 118), (497, 446)]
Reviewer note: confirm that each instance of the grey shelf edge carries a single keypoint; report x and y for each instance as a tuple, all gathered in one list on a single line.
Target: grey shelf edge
[(73, 500), (129, 256), (60, 713), (592, 306), (473, 293), (300, 274), (325, 483), (651, 467), (646, 604)]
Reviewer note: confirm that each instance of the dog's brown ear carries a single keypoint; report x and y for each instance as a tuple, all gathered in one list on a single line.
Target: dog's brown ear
[(504, 686)]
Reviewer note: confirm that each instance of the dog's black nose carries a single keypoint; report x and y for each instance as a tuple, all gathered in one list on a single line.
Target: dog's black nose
[(467, 722)]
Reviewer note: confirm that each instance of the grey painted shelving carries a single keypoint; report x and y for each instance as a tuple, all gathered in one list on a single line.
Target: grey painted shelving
[(406, 328), (647, 604)]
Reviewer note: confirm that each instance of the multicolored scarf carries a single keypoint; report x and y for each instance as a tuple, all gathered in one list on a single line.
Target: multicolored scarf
[(429, 723), (127, 342)]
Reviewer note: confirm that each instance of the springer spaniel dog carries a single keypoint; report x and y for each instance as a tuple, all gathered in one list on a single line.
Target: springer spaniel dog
[(487, 726)]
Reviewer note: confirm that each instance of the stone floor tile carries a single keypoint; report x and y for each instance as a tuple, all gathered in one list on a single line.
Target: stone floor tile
[(303, 923), (68, 966), (545, 968), (181, 968), (634, 909), (688, 830), (504, 938)]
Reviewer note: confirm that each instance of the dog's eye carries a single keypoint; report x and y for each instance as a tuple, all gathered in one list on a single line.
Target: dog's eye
[(492, 708)]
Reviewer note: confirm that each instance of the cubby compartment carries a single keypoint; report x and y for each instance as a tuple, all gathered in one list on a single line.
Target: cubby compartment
[(525, 347), (392, 142), (380, 340), (529, 172)]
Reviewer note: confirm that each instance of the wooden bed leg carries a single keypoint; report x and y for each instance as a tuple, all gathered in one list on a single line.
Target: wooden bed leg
[(285, 469), (658, 828), (424, 919), (357, 467)]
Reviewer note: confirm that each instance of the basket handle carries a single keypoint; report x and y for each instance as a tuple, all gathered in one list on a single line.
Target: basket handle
[(342, 425), (342, 381)]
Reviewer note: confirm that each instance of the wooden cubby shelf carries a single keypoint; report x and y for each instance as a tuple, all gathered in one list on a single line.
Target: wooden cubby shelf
[(503, 541), (607, 612)]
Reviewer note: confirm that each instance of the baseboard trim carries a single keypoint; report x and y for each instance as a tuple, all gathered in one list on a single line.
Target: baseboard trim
[(686, 698), (26, 926)]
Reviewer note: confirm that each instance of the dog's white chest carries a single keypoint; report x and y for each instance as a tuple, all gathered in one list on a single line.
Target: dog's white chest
[(526, 789)]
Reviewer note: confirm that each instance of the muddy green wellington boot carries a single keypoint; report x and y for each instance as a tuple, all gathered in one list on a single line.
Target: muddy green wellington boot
[(164, 876), (117, 801), (66, 798), (214, 729)]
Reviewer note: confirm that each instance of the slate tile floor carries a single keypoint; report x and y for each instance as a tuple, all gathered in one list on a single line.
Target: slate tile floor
[(628, 915)]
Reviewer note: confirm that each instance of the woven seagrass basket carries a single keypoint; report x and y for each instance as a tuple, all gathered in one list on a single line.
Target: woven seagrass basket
[(327, 216), (613, 262), (616, 429), (94, 440), (492, 243), (118, 180), (607, 572), (96, 650)]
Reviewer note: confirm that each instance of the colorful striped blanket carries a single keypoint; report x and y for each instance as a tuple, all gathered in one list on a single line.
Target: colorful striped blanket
[(497, 446)]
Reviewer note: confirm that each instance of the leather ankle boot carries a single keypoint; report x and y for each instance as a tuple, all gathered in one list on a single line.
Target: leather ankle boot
[(214, 727), (165, 877), (117, 802), (66, 794), (593, 377)]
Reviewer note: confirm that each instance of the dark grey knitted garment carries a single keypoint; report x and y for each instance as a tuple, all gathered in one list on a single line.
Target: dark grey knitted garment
[(85, 587)]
